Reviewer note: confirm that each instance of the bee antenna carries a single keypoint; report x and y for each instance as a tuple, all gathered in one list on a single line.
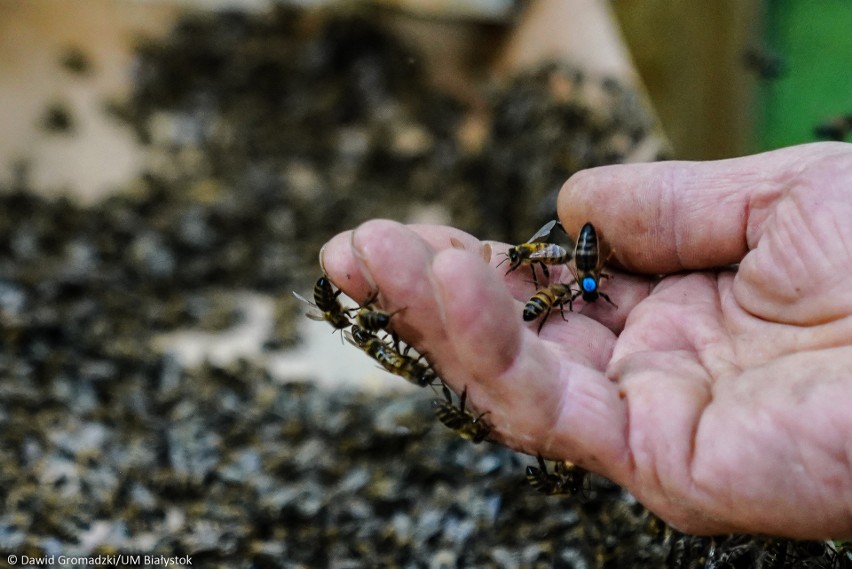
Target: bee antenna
[(504, 260)]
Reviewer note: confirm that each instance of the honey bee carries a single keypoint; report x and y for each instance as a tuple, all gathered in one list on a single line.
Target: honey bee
[(775, 554), (391, 359), (837, 128), (843, 553), (764, 63), (587, 266), (543, 302), (535, 252), (566, 478), (372, 319), (459, 419), (330, 308)]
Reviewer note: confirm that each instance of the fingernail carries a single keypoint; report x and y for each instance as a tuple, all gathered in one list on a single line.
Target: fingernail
[(361, 261), (322, 259)]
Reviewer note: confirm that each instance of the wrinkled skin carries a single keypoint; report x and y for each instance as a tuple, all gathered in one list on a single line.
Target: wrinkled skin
[(720, 396)]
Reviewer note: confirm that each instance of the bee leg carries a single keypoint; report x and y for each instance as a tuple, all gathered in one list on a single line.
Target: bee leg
[(428, 378), (534, 279), (544, 319), (447, 394), (606, 297), (604, 276), (371, 298), (483, 434), (562, 309), (395, 341), (462, 398), (545, 271), (574, 297)]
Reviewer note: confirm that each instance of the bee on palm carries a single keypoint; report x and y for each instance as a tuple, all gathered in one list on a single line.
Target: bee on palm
[(535, 252), (566, 478), (391, 359), (588, 263), (545, 300), (467, 425)]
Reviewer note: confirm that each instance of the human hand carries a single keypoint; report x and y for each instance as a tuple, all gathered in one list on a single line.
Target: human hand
[(718, 395)]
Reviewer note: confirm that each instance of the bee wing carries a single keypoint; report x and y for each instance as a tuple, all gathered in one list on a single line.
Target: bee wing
[(302, 298), (551, 251), (312, 314), (349, 338), (543, 232)]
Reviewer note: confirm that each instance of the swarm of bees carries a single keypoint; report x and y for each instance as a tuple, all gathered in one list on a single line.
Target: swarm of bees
[(362, 327), (369, 329)]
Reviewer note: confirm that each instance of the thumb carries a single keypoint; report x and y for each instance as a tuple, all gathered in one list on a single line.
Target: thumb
[(665, 217)]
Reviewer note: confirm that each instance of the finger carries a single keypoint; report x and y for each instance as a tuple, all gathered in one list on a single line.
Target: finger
[(396, 262), (541, 397), (670, 216), (460, 312), (347, 271)]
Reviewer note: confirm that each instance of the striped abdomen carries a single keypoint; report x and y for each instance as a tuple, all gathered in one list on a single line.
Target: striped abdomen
[(549, 253), (586, 253), (373, 320), (545, 299), (325, 298)]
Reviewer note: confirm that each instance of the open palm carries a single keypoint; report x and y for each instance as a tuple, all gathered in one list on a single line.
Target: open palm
[(719, 395)]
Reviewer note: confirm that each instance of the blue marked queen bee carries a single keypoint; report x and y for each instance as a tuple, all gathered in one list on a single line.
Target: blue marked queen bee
[(588, 263)]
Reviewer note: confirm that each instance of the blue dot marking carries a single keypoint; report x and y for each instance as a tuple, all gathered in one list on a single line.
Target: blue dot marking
[(589, 284)]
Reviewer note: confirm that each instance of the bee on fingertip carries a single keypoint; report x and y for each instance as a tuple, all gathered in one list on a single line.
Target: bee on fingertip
[(588, 265), (535, 252), (328, 306)]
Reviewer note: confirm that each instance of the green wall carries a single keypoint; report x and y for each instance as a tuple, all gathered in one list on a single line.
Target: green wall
[(815, 39)]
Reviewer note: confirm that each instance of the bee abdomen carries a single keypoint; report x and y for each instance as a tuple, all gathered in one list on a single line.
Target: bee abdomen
[(449, 415), (373, 320), (586, 254), (537, 305)]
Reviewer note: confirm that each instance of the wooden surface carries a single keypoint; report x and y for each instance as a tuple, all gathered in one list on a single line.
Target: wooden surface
[(689, 55)]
